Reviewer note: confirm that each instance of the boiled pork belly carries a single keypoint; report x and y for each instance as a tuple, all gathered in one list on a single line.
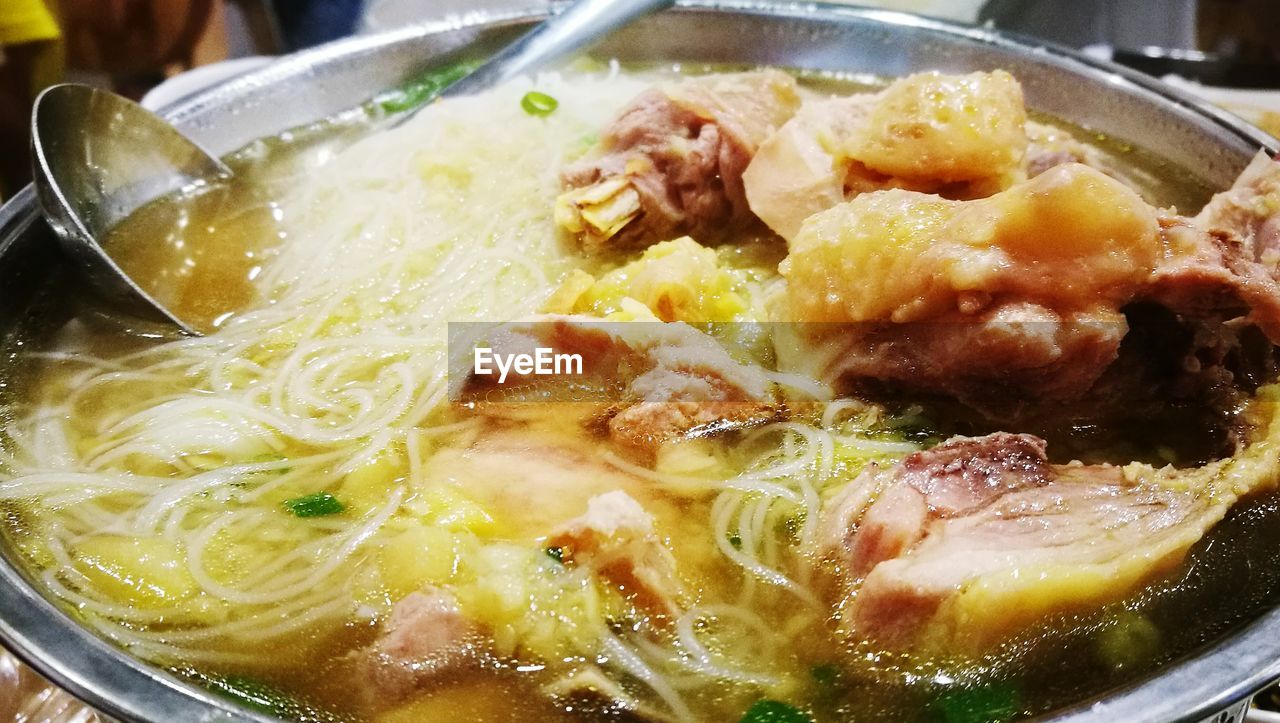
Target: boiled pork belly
[(964, 545), (671, 163)]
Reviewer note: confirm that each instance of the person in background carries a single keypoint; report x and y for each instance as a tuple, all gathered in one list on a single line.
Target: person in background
[(133, 44), (31, 58), (125, 45), (304, 23)]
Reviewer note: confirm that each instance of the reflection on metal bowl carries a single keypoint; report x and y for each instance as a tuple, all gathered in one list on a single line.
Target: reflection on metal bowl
[(1189, 135)]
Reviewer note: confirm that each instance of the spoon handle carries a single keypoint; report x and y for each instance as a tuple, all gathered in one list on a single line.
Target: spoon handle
[(581, 24)]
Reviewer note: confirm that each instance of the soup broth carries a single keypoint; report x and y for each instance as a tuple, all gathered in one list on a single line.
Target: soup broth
[(247, 508)]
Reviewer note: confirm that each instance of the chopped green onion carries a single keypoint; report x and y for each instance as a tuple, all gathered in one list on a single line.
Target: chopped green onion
[(736, 541), (993, 703), (912, 425), (265, 458), (555, 553), (539, 104), (774, 711), (826, 674), (315, 505), (1131, 640), (792, 524), (424, 89), (828, 682), (255, 694)]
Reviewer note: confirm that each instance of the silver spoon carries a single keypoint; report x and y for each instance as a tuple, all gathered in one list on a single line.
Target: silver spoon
[(100, 157)]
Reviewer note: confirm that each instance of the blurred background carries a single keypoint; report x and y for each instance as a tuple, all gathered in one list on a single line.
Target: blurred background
[(1228, 51)]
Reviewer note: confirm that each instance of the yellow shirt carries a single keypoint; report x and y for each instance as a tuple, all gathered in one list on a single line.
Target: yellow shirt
[(26, 21)]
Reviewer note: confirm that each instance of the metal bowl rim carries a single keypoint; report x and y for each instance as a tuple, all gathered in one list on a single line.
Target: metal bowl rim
[(126, 688)]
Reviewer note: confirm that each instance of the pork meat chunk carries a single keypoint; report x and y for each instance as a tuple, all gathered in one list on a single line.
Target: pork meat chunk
[(796, 172), (617, 538), (1049, 146), (671, 163), (1071, 238), (1225, 261), (425, 636), (1250, 209), (966, 544), (945, 128), (1029, 295), (982, 300), (979, 359), (1212, 273)]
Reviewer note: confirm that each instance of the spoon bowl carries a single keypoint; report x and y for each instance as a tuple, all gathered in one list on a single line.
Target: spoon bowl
[(98, 158)]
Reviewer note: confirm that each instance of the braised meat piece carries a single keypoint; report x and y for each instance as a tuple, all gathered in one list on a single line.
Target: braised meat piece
[(671, 164), (1049, 146), (1071, 238), (425, 636), (980, 300), (796, 172), (1251, 211), (980, 358), (950, 479), (617, 538), (962, 136), (970, 542), (1226, 260), (1027, 297)]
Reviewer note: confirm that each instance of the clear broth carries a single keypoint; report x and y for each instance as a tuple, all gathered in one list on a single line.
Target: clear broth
[(227, 234)]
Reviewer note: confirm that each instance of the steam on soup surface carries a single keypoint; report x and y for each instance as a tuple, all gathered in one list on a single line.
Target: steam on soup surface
[(840, 514)]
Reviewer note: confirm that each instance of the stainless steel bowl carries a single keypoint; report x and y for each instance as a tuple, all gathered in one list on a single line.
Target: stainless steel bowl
[(1193, 137)]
